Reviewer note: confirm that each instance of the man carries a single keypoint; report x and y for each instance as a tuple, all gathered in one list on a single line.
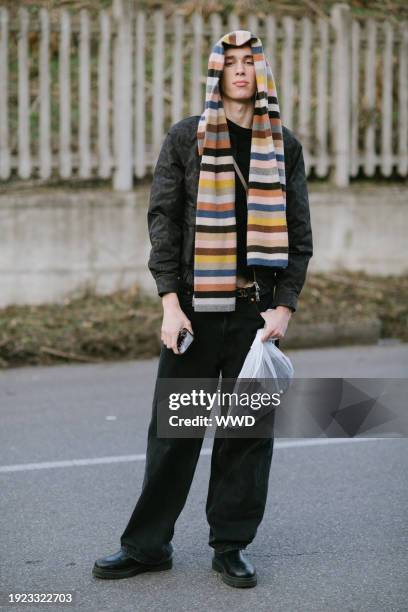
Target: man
[(229, 256)]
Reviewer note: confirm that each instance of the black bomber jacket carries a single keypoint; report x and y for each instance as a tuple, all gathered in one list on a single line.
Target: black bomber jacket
[(172, 211)]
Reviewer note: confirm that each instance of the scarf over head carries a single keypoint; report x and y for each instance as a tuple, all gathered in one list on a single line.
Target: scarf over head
[(215, 251)]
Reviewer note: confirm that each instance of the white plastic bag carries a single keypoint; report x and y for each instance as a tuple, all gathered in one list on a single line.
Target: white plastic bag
[(265, 369), (265, 361)]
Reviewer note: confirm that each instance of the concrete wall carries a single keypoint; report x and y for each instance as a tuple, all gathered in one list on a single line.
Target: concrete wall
[(56, 243), (360, 228)]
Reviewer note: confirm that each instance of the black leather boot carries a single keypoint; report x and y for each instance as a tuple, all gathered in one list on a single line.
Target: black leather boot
[(120, 565), (235, 569)]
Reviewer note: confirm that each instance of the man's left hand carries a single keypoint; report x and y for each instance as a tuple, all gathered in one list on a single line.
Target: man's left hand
[(276, 322)]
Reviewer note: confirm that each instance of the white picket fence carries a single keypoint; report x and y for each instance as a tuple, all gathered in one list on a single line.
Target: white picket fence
[(92, 96)]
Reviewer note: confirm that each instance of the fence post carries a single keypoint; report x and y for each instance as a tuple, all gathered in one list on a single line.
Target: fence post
[(140, 95), (196, 88), (104, 72), (158, 83), (4, 113), (44, 138), (122, 97), (64, 69), (24, 156), (340, 18), (84, 96), (403, 100)]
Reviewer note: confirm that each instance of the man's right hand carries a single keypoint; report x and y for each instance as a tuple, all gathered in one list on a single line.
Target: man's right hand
[(174, 319)]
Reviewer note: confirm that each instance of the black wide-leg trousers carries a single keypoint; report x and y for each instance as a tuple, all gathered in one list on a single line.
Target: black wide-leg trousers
[(240, 467)]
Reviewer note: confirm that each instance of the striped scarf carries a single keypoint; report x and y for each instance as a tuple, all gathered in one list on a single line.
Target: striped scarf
[(215, 251)]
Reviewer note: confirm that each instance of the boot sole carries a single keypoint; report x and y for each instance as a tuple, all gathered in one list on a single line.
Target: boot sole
[(99, 572), (234, 580)]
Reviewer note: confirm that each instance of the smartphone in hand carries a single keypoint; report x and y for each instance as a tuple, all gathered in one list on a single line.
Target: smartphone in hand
[(184, 340)]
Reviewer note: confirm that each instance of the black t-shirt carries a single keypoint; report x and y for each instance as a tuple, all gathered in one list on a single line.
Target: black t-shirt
[(240, 138)]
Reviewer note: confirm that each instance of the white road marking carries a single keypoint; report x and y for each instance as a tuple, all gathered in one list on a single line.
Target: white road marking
[(47, 465)]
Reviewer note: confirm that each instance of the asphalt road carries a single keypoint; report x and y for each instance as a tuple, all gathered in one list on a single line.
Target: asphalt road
[(72, 443)]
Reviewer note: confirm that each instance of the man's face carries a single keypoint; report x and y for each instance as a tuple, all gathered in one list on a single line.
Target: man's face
[(238, 79)]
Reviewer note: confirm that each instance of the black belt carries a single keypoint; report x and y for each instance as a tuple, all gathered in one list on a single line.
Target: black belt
[(240, 292)]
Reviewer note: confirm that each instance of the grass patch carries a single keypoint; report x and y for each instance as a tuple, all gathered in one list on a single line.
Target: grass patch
[(89, 328), (126, 324)]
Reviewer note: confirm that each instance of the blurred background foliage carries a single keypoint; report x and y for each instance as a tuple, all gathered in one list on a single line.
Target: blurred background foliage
[(392, 9)]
